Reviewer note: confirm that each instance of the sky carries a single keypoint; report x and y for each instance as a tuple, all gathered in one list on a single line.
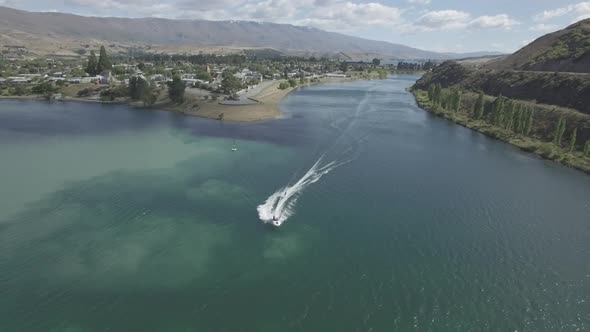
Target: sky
[(437, 25)]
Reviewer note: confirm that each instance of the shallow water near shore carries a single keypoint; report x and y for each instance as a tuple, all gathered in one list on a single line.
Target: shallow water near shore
[(116, 219)]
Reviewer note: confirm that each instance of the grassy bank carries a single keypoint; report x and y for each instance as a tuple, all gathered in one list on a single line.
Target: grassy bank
[(535, 143)]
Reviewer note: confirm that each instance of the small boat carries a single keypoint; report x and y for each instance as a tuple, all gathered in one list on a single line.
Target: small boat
[(234, 148), (275, 221)]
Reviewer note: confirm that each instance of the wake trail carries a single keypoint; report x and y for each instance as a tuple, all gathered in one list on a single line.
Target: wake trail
[(280, 206)]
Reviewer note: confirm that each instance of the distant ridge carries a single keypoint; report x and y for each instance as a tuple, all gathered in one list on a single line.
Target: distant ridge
[(566, 50), (553, 70), (59, 32)]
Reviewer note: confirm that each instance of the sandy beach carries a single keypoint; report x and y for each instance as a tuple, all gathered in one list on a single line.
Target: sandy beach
[(267, 107)]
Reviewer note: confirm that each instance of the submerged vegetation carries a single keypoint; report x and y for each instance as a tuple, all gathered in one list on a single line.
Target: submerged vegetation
[(512, 121)]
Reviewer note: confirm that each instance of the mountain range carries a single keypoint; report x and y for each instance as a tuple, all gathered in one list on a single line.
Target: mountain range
[(60, 33)]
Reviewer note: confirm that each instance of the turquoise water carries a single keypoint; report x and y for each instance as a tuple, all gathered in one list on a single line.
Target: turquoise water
[(115, 219)]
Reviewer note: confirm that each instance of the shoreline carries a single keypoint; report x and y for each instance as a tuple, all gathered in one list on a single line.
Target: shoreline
[(544, 150), (265, 108)]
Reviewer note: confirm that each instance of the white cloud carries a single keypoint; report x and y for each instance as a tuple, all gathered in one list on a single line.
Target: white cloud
[(581, 10), (269, 10), (544, 27), (489, 22), (453, 19), (349, 15), (549, 14), (442, 20), (419, 2), (207, 5), (335, 15)]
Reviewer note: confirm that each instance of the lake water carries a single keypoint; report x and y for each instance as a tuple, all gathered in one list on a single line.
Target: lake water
[(115, 219)]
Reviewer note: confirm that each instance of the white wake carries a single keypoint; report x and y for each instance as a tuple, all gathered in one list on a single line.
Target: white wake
[(280, 205)]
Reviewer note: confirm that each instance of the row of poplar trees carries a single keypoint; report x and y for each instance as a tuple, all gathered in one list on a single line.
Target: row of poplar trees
[(504, 113), (558, 136)]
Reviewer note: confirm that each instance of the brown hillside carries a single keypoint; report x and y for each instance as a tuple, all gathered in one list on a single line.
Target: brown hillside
[(566, 50), (42, 31)]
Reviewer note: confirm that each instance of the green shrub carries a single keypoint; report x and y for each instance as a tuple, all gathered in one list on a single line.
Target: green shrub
[(18, 90), (44, 88)]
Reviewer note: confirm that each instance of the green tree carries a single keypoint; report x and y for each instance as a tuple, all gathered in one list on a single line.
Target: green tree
[(113, 92), (344, 66), (204, 76), (519, 116), (437, 94), (229, 83), (444, 99), (516, 118), (587, 148), (77, 72), (150, 96), (559, 130), (509, 115), (292, 83), (176, 90), (529, 122), (301, 78), (91, 65), (376, 62), (104, 63), (498, 111), (431, 92), (44, 88), (456, 101), (18, 90), (573, 138), (479, 106), (138, 87)]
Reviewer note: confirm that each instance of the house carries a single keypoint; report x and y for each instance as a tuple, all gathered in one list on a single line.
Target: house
[(187, 77), (105, 77), (333, 75), (88, 79), (193, 81), (19, 80), (158, 77), (31, 76)]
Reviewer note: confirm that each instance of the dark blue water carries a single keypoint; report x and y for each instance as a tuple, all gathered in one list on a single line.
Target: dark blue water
[(114, 219)]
